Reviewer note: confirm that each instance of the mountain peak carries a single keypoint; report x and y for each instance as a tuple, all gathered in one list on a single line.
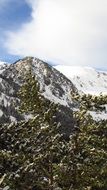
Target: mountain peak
[(28, 62), (54, 86), (3, 65)]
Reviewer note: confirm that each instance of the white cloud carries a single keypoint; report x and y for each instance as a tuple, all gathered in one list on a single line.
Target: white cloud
[(67, 31)]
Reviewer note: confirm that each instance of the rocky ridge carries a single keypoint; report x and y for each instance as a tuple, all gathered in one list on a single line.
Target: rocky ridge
[(53, 86)]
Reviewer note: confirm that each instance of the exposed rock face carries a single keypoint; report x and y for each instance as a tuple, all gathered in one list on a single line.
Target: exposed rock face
[(53, 85)]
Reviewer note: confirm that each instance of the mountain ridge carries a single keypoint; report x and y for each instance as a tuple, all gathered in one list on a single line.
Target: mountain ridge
[(53, 86), (86, 79)]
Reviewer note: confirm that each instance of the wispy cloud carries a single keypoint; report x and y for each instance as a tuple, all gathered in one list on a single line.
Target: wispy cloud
[(66, 31)]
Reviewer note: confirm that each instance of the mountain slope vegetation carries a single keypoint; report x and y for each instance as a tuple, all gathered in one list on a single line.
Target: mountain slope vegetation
[(36, 155)]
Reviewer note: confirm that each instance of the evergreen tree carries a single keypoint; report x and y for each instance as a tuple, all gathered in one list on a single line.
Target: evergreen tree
[(31, 150), (87, 157), (31, 99), (84, 167), (34, 155)]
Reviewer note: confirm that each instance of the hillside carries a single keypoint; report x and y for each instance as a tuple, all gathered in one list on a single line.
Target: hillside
[(59, 142), (86, 79), (54, 86)]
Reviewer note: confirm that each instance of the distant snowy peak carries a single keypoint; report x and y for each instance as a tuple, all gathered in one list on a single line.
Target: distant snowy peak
[(1, 62), (3, 65), (86, 79)]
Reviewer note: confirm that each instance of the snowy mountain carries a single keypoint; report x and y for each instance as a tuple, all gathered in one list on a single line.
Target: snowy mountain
[(3, 65), (86, 79), (53, 85)]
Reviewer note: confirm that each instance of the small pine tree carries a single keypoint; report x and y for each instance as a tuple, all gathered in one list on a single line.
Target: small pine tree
[(31, 99)]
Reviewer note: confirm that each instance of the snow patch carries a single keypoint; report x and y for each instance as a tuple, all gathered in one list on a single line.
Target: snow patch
[(98, 116), (13, 119), (1, 113), (86, 79)]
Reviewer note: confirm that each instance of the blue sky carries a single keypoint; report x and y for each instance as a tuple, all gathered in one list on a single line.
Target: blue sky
[(13, 15), (57, 31)]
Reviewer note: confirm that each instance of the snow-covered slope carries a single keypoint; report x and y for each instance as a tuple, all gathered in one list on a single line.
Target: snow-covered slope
[(3, 65), (86, 79)]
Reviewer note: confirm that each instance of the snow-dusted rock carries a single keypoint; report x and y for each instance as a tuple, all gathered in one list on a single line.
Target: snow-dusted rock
[(53, 85)]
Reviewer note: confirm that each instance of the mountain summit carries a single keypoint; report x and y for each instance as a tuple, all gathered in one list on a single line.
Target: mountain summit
[(54, 86)]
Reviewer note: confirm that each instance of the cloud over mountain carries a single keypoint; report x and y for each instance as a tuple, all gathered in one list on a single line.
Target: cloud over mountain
[(68, 32)]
